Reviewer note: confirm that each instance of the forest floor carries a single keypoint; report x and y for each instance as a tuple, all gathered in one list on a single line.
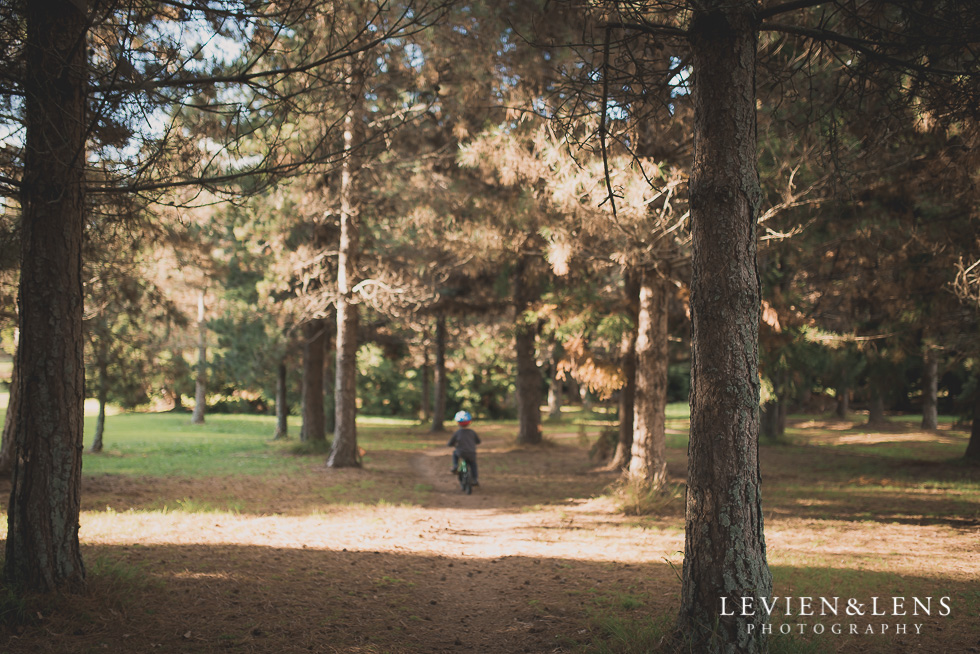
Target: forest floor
[(394, 558)]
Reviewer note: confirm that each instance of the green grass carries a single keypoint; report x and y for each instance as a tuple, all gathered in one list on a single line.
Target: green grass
[(589, 425), (886, 481), (167, 444)]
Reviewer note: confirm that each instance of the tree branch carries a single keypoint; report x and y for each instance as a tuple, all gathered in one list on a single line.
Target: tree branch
[(405, 25), (602, 125), (863, 46), (786, 7), (654, 29)]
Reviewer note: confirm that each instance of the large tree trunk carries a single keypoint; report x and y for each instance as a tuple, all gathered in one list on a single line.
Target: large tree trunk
[(42, 551), (586, 397), (528, 375), (344, 452), (103, 400), (439, 401), (773, 414), (329, 379), (555, 385), (627, 394), (725, 550), (648, 463), (528, 387), (769, 421), (282, 401), (627, 402), (9, 423), (176, 356), (425, 410), (314, 427), (876, 404), (843, 401), (554, 396), (200, 391), (930, 389), (973, 447)]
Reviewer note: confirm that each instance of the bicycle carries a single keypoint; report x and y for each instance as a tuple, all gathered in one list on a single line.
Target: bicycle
[(465, 476)]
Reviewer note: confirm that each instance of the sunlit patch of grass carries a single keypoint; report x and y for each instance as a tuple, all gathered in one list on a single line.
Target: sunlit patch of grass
[(167, 444), (678, 411), (635, 498)]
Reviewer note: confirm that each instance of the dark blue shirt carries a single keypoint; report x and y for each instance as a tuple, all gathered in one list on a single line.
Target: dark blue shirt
[(465, 440)]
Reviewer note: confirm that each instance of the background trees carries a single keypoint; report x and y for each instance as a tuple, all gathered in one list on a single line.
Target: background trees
[(469, 187), (123, 82)]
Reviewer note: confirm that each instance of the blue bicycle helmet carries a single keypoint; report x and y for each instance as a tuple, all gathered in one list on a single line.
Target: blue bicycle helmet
[(463, 417)]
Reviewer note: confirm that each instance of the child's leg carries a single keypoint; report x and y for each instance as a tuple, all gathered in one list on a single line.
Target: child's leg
[(455, 460)]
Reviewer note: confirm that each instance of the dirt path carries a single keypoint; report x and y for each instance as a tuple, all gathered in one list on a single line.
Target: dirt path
[(514, 567), (529, 562)]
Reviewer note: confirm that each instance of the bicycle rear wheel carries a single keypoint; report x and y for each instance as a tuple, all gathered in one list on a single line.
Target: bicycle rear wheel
[(465, 478)]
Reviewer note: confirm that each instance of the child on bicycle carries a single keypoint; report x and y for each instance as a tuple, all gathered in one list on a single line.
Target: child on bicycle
[(465, 441)]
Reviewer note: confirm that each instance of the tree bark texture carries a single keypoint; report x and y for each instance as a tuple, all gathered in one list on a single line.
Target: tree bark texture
[(201, 387), (343, 453), (282, 402), (930, 389), (314, 425), (648, 461), (725, 550), (439, 400), (528, 375), (42, 551)]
